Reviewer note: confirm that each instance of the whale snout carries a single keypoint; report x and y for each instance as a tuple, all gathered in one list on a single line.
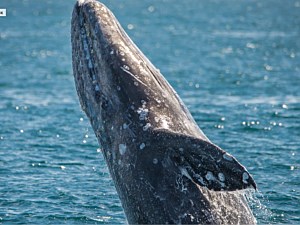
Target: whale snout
[(90, 57)]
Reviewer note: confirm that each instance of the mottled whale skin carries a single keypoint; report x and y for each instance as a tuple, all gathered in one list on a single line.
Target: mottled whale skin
[(164, 168)]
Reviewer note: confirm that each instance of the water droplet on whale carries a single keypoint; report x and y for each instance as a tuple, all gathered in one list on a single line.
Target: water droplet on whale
[(209, 176), (227, 157), (122, 149), (142, 146), (146, 127), (97, 88), (221, 177)]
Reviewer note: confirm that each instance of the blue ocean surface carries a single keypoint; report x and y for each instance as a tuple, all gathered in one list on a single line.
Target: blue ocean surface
[(235, 64)]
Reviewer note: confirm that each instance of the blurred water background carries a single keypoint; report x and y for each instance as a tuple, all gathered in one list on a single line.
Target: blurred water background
[(235, 63)]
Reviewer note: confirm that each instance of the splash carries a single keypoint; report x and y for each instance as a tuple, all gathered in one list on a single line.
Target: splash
[(257, 202), (231, 207)]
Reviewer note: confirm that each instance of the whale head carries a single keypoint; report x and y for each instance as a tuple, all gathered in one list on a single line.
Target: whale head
[(113, 77)]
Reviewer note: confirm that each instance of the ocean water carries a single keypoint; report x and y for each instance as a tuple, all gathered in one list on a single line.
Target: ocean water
[(235, 63)]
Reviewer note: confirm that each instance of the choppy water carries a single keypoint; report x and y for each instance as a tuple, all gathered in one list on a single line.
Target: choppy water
[(236, 64)]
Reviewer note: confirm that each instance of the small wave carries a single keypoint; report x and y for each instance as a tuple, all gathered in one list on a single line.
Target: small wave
[(253, 34)]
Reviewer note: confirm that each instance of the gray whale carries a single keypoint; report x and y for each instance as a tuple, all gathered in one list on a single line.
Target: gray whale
[(164, 168)]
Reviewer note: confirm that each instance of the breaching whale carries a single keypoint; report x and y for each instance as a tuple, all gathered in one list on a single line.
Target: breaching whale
[(164, 168)]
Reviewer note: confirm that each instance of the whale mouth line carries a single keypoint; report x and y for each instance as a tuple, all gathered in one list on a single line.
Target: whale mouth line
[(93, 83), (87, 48)]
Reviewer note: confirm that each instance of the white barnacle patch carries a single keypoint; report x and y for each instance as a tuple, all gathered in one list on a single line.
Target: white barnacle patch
[(163, 121), (227, 157), (146, 127), (126, 67), (165, 124), (80, 2), (155, 161), (125, 126), (143, 113), (97, 88), (90, 65), (181, 149), (118, 88), (200, 179), (221, 177), (245, 178), (122, 149), (103, 9), (158, 101), (94, 80), (209, 176), (185, 173), (186, 215), (142, 146), (180, 184)]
